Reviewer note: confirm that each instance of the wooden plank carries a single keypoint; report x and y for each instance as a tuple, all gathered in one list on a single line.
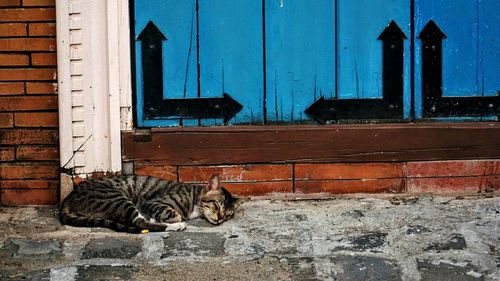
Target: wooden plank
[(360, 23), (489, 47), (231, 56), (470, 50), (177, 21), (306, 144), (300, 52)]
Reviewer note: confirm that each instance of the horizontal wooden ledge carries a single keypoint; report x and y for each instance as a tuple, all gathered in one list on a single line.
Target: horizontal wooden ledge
[(313, 144), (278, 128)]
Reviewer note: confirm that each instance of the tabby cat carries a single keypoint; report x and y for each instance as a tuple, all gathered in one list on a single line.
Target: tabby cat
[(137, 203)]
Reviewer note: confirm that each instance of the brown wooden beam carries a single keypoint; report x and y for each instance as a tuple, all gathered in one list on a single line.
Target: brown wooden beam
[(313, 144)]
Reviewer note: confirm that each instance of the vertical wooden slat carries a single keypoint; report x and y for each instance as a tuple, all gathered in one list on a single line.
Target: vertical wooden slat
[(360, 53), (231, 55), (64, 84), (300, 54), (176, 20), (114, 73)]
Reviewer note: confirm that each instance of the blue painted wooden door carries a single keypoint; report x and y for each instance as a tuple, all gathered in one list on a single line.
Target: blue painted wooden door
[(466, 34), (210, 48), (303, 62)]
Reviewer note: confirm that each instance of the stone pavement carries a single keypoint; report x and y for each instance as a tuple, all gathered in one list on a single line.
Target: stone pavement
[(419, 238)]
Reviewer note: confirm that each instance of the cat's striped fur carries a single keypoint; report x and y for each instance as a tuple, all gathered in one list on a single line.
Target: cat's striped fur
[(135, 203)]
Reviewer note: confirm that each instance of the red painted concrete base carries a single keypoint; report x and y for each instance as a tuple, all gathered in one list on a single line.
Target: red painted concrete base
[(464, 176), (277, 180)]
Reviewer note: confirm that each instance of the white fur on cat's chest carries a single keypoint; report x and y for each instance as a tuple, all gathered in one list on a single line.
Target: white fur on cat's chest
[(195, 214)]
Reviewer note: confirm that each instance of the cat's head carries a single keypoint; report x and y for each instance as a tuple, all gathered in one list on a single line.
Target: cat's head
[(217, 204)]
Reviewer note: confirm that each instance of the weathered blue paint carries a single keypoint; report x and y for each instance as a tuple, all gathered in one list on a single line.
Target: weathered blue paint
[(471, 51), (488, 75), (360, 53), (176, 20), (310, 51), (300, 53), (231, 56)]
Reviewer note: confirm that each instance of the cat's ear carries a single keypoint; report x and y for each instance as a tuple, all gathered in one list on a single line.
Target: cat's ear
[(239, 201), (214, 183)]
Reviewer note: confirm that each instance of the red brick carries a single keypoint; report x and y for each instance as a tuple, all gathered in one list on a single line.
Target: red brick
[(36, 119), (258, 188), (350, 186), (32, 14), (41, 88), (23, 74), (6, 120), (163, 172), (13, 29), (18, 197), (28, 136), (453, 168), (28, 103), (236, 173), (445, 185), (14, 60), (27, 44), (28, 171), (39, 2), (11, 89), (6, 153), (42, 29), (9, 3), (348, 171), (29, 184), (37, 153), (44, 59)]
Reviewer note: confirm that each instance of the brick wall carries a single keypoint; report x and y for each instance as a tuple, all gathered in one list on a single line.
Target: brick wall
[(29, 160)]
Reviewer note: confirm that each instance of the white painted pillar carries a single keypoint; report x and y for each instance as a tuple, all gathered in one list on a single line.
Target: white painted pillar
[(95, 90)]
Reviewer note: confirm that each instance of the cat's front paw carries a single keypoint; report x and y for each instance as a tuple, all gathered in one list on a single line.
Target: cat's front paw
[(178, 226)]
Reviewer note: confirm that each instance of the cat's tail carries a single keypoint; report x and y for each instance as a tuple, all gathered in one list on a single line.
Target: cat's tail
[(66, 216)]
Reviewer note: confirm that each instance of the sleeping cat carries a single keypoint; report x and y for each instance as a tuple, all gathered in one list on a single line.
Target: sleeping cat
[(136, 203)]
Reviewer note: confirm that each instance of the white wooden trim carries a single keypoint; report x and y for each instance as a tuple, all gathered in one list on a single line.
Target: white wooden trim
[(64, 84), (125, 65), (95, 86), (114, 69)]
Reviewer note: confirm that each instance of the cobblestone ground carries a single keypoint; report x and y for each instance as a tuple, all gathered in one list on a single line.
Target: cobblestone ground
[(416, 238)]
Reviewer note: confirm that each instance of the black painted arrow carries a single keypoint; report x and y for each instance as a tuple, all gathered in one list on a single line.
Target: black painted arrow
[(392, 74), (152, 66), (324, 110), (225, 107), (390, 106), (434, 104), (154, 104)]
